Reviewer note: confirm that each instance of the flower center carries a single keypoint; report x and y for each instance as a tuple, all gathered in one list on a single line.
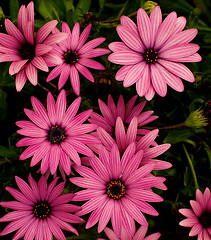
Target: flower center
[(116, 189), (28, 51), (56, 134), (71, 57), (150, 56), (205, 219), (42, 209)]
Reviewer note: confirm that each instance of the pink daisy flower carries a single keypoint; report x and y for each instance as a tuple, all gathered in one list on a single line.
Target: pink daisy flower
[(117, 189), (56, 135), (75, 56), (199, 217), (127, 112), (152, 52), (41, 210), (138, 235), (27, 52)]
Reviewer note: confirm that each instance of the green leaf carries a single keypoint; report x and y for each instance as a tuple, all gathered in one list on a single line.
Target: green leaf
[(3, 104), (187, 176), (8, 152), (101, 3), (47, 10), (180, 135), (70, 9), (14, 8), (81, 8)]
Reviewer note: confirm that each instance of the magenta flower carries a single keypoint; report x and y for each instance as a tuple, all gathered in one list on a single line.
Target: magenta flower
[(152, 52), (27, 52), (123, 139), (199, 217), (56, 135), (138, 235), (75, 56), (117, 189), (127, 112), (41, 210)]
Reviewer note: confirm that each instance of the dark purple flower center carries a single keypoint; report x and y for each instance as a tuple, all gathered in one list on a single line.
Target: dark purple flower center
[(150, 56), (116, 189), (205, 219), (42, 209), (71, 57), (56, 134), (27, 51)]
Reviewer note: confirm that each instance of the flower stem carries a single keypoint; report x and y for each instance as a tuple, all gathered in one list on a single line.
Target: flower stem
[(191, 167), (167, 127), (117, 20), (43, 87)]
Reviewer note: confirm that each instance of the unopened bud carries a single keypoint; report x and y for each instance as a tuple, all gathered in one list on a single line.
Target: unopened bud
[(196, 119), (148, 6)]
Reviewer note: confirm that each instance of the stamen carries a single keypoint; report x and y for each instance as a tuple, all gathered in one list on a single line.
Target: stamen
[(205, 219), (56, 134), (150, 56), (116, 189), (71, 57), (27, 51), (42, 209)]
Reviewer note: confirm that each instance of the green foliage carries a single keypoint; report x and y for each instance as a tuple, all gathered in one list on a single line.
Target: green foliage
[(14, 8)]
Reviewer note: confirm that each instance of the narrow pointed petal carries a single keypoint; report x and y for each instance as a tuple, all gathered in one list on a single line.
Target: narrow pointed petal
[(90, 45), (165, 30), (44, 31), (38, 62), (31, 73), (83, 37), (14, 31), (20, 80), (144, 27), (125, 58)]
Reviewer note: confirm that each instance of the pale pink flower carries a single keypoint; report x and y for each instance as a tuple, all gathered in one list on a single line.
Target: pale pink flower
[(41, 210), (199, 217), (124, 138), (138, 235), (26, 51), (56, 135), (152, 52), (117, 189), (126, 112), (75, 56)]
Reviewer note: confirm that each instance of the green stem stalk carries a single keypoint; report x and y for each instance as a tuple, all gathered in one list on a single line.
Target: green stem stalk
[(191, 167)]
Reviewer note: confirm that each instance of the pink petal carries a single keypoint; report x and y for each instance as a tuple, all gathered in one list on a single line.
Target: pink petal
[(9, 41), (16, 67), (134, 74), (90, 45), (42, 49), (178, 69), (44, 31), (130, 39), (165, 30), (20, 80), (156, 20), (38, 62), (144, 27), (75, 36), (83, 37), (96, 53), (91, 63), (157, 80), (14, 31), (55, 38), (143, 84), (71, 152), (105, 215), (31, 73), (61, 106), (125, 58), (127, 22), (84, 71), (133, 211), (74, 79), (55, 72), (118, 46), (51, 109), (28, 31)]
